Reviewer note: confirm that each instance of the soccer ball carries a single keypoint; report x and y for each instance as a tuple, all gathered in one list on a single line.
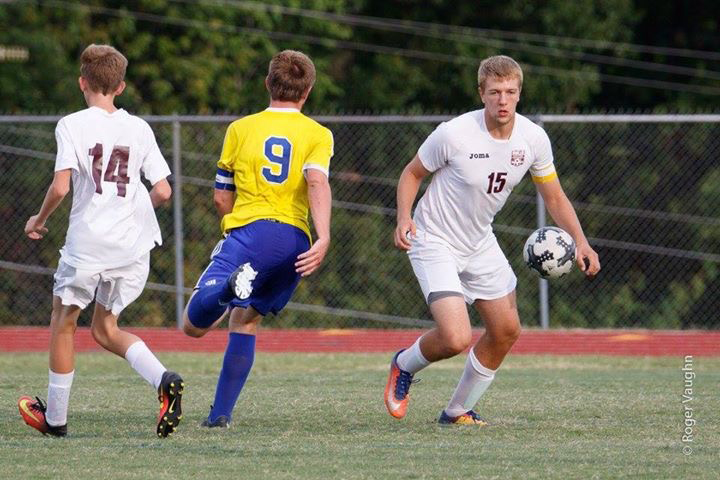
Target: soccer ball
[(550, 251)]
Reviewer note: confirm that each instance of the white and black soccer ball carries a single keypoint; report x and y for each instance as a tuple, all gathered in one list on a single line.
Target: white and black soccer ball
[(550, 251)]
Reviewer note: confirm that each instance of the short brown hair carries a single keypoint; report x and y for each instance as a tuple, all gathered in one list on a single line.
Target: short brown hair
[(499, 66), (103, 67), (290, 75)]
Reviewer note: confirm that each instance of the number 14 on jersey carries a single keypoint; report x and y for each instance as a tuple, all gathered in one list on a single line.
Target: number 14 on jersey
[(119, 159)]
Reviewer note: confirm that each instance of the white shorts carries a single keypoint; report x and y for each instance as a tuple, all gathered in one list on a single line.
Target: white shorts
[(484, 275), (116, 288)]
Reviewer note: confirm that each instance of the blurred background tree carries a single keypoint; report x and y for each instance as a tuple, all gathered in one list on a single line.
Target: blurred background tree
[(389, 56)]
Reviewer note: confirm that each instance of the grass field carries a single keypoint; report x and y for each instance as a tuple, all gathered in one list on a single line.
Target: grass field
[(322, 416)]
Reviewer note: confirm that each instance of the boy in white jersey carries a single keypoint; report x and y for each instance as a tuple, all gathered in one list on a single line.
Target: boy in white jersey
[(111, 231), (476, 160)]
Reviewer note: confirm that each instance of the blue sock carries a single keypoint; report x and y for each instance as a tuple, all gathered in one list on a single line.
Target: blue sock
[(208, 304), (239, 357)]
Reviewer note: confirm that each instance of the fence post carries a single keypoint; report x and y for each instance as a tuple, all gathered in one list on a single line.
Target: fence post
[(178, 224), (543, 287)]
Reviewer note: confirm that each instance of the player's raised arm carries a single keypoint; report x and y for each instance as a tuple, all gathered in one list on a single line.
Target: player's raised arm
[(58, 189), (320, 200), (224, 201), (562, 211), (407, 190), (160, 193), (155, 169), (224, 194)]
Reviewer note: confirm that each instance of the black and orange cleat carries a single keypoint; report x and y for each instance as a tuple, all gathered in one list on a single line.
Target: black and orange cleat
[(33, 413), (169, 394), (467, 418), (220, 422)]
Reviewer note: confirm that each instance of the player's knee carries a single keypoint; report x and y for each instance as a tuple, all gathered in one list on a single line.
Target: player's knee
[(508, 334), (100, 334), (192, 331), (457, 343), (62, 324)]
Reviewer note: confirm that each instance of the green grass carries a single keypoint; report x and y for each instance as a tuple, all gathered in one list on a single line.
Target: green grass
[(322, 416)]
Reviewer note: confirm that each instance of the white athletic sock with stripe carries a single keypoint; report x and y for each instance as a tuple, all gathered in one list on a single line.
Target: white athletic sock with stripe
[(142, 360), (411, 359), (474, 381), (59, 385)]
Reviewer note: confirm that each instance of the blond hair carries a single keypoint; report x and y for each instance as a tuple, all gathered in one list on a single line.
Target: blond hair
[(499, 66), (290, 75), (103, 68)]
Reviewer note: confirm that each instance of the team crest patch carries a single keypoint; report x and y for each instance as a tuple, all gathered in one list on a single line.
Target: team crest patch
[(517, 157)]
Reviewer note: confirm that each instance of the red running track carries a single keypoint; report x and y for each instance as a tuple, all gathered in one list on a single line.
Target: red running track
[(561, 342)]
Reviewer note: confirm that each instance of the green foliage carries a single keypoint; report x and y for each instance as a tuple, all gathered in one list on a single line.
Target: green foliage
[(200, 57)]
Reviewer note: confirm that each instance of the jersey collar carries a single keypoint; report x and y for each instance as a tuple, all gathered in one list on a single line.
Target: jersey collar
[(282, 109), (101, 111)]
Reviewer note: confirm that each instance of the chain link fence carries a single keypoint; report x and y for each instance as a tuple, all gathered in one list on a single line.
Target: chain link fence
[(646, 188)]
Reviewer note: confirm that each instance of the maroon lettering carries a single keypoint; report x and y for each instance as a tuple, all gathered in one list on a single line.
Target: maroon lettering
[(97, 154), (119, 159)]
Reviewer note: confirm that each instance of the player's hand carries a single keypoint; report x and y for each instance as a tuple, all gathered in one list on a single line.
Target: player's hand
[(404, 233), (587, 259), (309, 261), (35, 229)]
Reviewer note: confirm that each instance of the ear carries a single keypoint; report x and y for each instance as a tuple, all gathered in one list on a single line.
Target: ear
[(82, 84), (120, 88), (307, 93), (480, 93), (267, 84)]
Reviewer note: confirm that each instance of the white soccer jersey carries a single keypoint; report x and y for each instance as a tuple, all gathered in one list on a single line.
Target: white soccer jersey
[(474, 175), (112, 221)]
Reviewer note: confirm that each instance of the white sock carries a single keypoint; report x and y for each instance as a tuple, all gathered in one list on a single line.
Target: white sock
[(474, 381), (59, 385), (411, 359), (145, 363)]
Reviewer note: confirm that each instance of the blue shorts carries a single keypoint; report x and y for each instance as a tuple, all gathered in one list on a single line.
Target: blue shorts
[(272, 249)]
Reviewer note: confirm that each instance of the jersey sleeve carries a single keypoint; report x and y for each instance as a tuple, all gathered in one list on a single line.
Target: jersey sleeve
[(435, 151), (542, 169), (66, 156), (225, 166), (154, 166), (319, 158), (229, 149)]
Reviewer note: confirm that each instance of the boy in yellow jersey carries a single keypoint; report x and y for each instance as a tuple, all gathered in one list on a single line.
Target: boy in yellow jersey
[(273, 169)]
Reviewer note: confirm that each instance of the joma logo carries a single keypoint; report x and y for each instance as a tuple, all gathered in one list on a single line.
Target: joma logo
[(479, 155)]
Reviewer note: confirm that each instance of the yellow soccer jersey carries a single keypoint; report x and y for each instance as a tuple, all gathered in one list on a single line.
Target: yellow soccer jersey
[(263, 160)]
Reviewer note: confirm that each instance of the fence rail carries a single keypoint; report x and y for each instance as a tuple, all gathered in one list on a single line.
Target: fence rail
[(646, 188)]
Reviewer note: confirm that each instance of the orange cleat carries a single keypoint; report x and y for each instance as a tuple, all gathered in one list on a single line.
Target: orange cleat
[(397, 388), (33, 413)]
